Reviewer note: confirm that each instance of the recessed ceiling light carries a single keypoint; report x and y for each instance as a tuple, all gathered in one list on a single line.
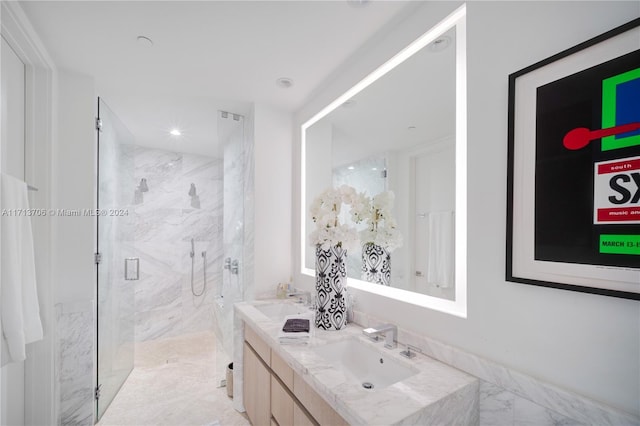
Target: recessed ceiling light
[(351, 168), (175, 132), (439, 44), (284, 82), (145, 41), (349, 103), (358, 3)]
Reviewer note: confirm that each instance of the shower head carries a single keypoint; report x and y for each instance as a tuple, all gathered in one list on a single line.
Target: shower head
[(143, 185), (192, 190), (193, 248)]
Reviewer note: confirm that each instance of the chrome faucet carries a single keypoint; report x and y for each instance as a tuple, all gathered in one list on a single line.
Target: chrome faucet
[(300, 294), (390, 332)]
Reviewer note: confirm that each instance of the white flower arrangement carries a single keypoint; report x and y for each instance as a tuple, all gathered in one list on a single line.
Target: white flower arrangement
[(381, 225), (325, 212)]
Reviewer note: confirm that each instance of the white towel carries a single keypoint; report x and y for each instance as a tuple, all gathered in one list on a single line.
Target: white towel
[(21, 322), (300, 337), (441, 254)]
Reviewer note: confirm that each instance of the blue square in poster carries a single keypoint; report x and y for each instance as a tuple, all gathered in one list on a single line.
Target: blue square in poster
[(628, 105)]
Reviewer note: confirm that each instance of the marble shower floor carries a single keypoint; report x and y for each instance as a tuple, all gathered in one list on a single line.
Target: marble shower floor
[(174, 383)]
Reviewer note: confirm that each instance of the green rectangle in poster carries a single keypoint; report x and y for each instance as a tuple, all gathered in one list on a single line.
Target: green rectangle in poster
[(620, 244), (609, 105)]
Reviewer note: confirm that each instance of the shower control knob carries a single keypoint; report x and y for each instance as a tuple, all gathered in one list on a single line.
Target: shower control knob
[(234, 266)]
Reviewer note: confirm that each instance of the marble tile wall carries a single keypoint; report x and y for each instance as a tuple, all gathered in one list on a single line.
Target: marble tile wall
[(75, 363), (248, 212), (249, 238), (167, 218)]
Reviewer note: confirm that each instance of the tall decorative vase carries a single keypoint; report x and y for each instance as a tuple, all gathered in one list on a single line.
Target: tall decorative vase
[(376, 264), (331, 280)]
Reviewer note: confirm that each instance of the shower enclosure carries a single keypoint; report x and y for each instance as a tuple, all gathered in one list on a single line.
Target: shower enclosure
[(116, 266), (171, 248)]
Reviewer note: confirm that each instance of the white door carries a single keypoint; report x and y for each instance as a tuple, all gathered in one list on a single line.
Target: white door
[(12, 143)]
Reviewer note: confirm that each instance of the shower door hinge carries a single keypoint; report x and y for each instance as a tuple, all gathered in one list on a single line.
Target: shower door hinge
[(96, 393), (98, 124), (97, 258)]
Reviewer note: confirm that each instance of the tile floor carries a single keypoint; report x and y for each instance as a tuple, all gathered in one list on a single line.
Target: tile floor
[(174, 382)]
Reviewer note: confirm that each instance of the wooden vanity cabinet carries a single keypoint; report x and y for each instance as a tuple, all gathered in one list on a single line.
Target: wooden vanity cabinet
[(277, 396)]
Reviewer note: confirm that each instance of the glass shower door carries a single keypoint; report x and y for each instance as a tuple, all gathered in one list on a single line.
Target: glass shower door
[(117, 268), (231, 136)]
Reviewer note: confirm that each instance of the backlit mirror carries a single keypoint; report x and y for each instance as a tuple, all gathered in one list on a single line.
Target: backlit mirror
[(402, 129)]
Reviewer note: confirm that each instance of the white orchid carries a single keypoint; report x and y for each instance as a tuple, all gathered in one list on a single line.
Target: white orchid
[(325, 212), (381, 225)]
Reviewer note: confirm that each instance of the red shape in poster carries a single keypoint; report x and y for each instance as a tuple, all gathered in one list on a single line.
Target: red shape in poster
[(581, 136)]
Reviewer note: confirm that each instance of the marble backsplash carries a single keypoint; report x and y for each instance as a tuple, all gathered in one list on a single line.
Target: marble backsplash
[(166, 219)]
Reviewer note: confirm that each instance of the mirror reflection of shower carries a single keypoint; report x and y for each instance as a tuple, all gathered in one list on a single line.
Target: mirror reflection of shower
[(195, 199), (192, 254)]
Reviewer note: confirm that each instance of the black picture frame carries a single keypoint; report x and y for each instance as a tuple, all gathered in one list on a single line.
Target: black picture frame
[(563, 254)]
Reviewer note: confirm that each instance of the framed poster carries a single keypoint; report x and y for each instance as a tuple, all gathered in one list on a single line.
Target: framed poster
[(573, 188)]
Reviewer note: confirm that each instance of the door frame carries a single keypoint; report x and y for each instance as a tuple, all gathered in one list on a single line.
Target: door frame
[(41, 396)]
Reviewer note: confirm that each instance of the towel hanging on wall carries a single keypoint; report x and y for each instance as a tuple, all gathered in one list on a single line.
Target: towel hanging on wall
[(441, 254), (20, 310)]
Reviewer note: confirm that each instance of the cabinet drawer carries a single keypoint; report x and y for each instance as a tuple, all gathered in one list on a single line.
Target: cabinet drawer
[(282, 369), (258, 345), (256, 379), (321, 411), (300, 418), (281, 404)]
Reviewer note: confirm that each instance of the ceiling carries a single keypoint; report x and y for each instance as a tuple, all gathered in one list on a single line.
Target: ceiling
[(206, 56)]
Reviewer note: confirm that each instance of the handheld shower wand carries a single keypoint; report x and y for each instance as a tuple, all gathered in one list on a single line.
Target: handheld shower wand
[(192, 254)]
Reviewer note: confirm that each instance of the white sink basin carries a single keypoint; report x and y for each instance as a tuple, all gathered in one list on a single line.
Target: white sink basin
[(277, 311), (371, 368)]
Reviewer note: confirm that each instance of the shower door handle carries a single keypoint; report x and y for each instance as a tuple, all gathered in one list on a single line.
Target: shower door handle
[(132, 268)]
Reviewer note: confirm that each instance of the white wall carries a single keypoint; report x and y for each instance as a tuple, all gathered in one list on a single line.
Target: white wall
[(580, 342), (74, 182), (272, 201)]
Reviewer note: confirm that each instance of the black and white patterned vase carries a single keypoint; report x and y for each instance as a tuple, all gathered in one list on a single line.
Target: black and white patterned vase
[(376, 264), (331, 281)]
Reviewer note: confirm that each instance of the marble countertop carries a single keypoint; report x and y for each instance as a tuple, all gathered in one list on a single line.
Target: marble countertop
[(436, 394)]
